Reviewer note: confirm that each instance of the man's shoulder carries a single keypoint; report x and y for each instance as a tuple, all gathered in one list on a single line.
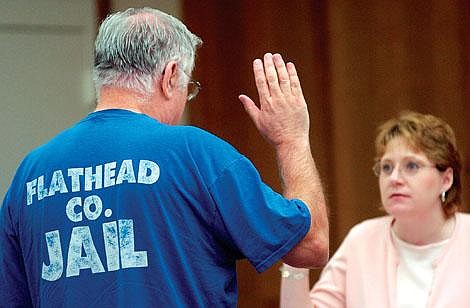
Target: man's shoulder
[(193, 131), (196, 131), (201, 140)]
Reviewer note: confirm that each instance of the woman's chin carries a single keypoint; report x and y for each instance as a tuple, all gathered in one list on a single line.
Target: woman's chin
[(398, 209)]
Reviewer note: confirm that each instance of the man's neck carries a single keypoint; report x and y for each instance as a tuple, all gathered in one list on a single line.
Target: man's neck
[(118, 98), (156, 106)]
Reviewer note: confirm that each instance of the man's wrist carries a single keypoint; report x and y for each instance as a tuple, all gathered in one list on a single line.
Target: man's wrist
[(297, 145)]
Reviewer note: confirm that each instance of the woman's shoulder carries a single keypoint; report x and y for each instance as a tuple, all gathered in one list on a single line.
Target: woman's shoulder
[(367, 236), (464, 219), (372, 227), (465, 216)]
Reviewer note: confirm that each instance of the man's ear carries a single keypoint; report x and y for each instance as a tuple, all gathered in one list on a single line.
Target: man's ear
[(170, 79)]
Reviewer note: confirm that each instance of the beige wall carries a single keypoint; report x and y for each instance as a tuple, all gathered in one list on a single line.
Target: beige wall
[(45, 80), (46, 53)]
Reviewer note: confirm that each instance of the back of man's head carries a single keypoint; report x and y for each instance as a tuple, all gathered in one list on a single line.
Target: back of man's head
[(133, 47)]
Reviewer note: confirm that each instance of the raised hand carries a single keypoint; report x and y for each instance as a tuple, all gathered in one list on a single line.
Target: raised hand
[(282, 116)]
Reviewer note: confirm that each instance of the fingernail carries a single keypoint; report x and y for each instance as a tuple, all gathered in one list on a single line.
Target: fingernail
[(277, 57)]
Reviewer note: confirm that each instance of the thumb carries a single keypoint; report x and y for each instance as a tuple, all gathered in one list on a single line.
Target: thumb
[(250, 107)]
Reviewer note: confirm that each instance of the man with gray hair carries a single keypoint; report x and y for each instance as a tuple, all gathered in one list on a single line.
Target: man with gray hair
[(128, 208)]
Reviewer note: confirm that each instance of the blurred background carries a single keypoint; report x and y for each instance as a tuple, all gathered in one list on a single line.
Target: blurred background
[(360, 63)]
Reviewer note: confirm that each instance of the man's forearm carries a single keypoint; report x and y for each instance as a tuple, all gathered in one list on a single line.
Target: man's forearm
[(300, 180), (283, 119)]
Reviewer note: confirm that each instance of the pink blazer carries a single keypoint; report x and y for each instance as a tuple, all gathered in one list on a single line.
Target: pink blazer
[(362, 273)]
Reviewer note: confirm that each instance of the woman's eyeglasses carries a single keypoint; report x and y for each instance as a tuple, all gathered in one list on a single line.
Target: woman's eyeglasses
[(407, 167)]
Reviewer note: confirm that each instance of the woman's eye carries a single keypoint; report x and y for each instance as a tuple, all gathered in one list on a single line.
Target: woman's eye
[(412, 166), (386, 168)]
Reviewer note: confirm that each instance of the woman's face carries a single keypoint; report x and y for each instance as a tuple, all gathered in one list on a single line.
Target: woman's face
[(410, 185)]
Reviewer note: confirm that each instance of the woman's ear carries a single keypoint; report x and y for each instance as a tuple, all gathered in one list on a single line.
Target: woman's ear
[(169, 79), (447, 178)]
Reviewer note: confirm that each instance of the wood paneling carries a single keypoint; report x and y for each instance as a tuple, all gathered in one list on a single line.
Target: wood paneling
[(234, 34), (360, 63)]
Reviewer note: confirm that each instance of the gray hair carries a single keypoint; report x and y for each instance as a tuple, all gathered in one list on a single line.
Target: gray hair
[(132, 48)]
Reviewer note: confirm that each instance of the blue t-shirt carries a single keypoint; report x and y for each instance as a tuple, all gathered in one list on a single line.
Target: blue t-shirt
[(122, 210)]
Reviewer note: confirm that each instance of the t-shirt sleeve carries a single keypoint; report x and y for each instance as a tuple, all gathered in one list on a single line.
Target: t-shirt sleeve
[(14, 290), (259, 223)]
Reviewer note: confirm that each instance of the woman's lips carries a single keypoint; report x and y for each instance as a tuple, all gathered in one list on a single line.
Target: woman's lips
[(398, 195)]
